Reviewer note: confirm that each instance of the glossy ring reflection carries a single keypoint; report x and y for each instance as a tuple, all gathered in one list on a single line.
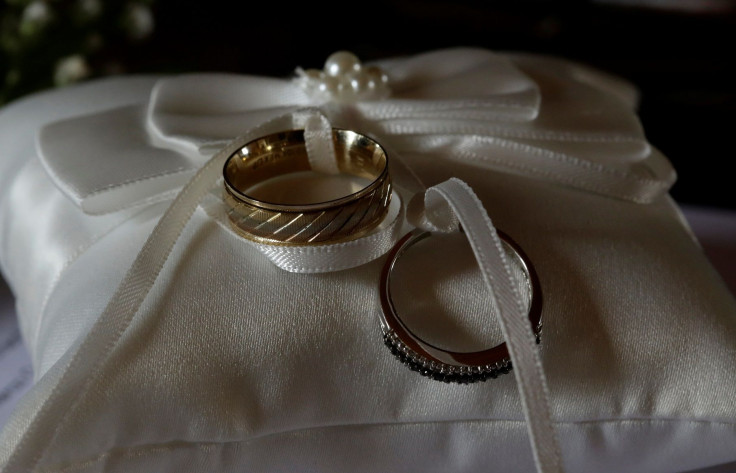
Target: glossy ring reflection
[(296, 223), (447, 365)]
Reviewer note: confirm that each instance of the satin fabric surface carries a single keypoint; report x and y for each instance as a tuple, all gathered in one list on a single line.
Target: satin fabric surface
[(233, 363)]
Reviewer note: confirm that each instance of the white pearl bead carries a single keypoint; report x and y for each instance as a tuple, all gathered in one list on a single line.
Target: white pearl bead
[(343, 79), (345, 92), (376, 74), (327, 85), (341, 62), (377, 82), (358, 82), (348, 92)]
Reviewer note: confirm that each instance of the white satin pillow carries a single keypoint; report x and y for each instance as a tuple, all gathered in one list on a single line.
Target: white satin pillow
[(233, 364)]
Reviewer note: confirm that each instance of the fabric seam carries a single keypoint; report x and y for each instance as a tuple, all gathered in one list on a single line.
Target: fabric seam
[(167, 447)]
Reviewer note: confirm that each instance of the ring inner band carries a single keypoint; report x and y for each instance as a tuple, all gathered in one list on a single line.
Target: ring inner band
[(340, 219), (442, 364)]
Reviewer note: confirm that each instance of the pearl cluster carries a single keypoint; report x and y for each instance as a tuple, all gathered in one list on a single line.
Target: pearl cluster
[(344, 79)]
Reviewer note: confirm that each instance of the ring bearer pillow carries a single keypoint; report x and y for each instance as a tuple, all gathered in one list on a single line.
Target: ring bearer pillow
[(163, 340)]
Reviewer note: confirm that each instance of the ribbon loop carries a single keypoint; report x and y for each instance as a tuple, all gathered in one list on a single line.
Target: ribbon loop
[(317, 140), (430, 212), (517, 332)]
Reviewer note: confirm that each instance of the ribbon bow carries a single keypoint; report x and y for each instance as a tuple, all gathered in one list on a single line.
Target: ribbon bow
[(541, 117)]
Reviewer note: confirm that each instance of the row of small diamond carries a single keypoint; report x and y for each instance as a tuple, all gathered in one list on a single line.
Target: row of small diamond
[(443, 371)]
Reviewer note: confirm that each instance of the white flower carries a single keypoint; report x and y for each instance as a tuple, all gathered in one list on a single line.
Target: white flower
[(36, 13), (139, 21), (91, 8), (71, 69)]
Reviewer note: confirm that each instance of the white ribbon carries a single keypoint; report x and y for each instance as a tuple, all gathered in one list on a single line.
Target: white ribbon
[(538, 117), (326, 257), (467, 209), (77, 373), (469, 105), (74, 379), (318, 141), (331, 256)]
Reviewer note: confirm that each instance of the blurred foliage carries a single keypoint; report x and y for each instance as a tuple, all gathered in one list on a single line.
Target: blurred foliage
[(47, 43)]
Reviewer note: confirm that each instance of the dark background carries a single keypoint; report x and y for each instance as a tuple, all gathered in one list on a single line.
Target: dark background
[(679, 53)]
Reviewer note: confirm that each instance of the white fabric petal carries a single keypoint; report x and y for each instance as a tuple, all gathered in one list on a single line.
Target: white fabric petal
[(586, 117), (115, 167), (189, 110)]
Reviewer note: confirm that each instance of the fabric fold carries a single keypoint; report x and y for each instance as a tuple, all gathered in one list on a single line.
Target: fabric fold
[(104, 161), (136, 157), (189, 117)]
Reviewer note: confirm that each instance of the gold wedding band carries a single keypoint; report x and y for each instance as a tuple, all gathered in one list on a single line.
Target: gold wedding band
[(283, 223)]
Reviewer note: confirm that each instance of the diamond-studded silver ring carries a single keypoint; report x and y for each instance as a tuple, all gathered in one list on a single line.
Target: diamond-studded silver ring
[(438, 363)]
